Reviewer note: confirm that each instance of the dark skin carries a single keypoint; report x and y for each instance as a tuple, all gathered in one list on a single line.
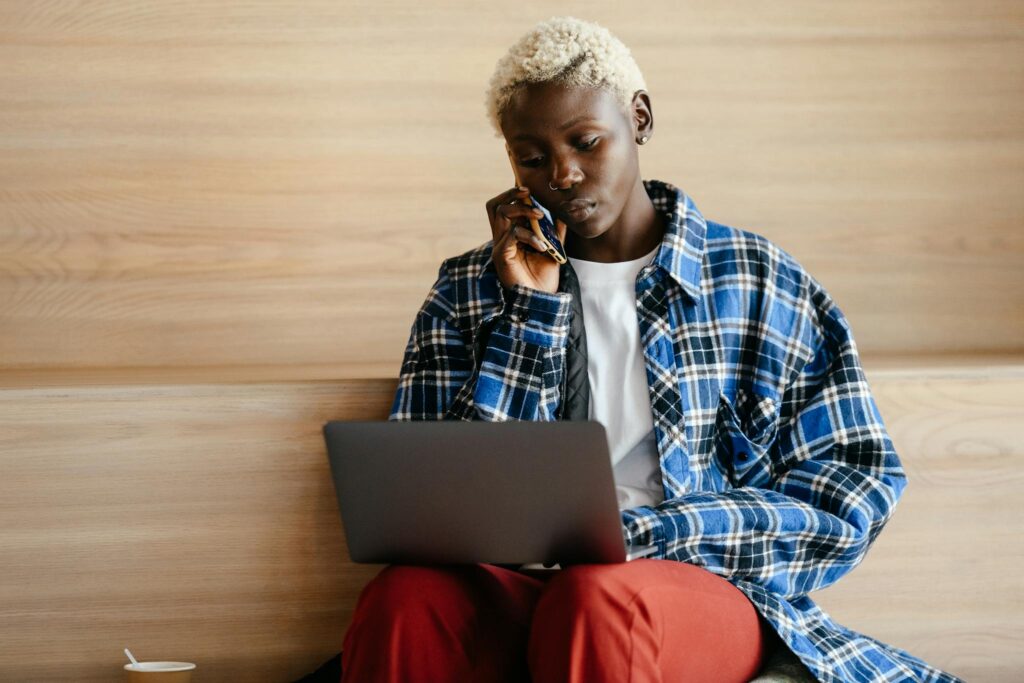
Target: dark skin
[(593, 160)]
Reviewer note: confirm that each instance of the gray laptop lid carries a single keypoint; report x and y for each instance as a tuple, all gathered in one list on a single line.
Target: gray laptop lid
[(466, 492)]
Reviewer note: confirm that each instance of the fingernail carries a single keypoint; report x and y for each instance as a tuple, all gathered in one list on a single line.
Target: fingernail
[(522, 188)]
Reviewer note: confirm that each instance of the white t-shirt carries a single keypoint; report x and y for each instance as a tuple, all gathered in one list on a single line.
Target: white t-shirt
[(619, 394)]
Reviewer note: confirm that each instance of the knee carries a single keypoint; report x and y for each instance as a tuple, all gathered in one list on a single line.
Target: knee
[(581, 591), (409, 624), (410, 589), (584, 612)]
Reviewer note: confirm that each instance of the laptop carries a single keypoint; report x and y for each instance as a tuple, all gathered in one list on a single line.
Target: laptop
[(440, 492)]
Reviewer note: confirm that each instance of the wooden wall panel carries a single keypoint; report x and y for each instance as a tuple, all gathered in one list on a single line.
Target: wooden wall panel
[(197, 522), (253, 184), (188, 522)]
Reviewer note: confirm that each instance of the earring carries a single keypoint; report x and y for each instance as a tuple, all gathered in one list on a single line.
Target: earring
[(643, 139)]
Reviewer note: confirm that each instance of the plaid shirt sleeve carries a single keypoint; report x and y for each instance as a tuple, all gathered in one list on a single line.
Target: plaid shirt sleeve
[(835, 480), (512, 372)]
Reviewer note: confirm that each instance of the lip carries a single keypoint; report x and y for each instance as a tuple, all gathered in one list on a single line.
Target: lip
[(578, 209)]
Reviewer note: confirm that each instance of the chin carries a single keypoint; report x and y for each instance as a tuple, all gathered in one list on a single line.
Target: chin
[(583, 231), (588, 229)]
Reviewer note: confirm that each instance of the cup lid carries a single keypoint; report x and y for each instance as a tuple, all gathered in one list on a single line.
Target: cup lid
[(160, 666)]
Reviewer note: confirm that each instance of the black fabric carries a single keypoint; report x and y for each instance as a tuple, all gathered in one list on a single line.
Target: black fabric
[(575, 382), (329, 672)]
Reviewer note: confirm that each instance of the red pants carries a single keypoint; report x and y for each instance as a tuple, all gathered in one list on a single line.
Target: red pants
[(640, 621)]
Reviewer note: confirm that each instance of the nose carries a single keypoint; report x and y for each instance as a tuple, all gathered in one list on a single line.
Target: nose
[(564, 175)]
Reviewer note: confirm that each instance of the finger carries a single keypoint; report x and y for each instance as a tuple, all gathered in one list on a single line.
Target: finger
[(541, 238), (506, 197), (504, 214), (508, 247), (526, 236), (512, 212)]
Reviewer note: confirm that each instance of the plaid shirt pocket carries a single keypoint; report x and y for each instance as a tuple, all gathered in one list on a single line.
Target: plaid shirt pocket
[(745, 431)]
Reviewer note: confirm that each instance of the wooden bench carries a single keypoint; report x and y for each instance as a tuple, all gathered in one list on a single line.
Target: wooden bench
[(197, 521)]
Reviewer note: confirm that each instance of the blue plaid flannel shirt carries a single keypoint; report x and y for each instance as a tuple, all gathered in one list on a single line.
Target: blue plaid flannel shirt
[(777, 469)]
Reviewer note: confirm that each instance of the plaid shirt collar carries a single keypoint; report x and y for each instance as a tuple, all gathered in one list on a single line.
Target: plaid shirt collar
[(682, 248)]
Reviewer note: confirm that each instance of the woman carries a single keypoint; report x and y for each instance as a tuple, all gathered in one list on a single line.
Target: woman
[(746, 444)]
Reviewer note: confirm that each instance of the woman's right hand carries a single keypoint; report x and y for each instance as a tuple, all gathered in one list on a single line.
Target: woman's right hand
[(518, 255)]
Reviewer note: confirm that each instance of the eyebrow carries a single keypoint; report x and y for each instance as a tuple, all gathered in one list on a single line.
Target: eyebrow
[(578, 119)]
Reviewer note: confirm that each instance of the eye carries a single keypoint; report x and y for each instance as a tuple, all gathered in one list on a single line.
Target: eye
[(587, 144), (532, 162)]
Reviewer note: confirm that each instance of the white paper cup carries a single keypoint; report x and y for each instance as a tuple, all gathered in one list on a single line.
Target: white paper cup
[(160, 672)]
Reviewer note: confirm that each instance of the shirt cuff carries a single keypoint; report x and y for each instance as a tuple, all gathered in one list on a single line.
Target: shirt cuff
[(644, 527), (538, 316)]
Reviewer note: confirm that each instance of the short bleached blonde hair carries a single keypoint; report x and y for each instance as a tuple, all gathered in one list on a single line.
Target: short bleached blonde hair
[(569, 51)]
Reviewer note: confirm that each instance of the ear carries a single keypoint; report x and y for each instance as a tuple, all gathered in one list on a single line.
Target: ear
[(642, 116)]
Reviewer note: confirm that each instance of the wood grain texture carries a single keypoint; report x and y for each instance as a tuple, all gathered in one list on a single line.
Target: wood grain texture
[(188, 184), (192, 523), (197, 522)]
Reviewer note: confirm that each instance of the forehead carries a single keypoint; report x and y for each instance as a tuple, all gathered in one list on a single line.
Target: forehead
[(542, 109)]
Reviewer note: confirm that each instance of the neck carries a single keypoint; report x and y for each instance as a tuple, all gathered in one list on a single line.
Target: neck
[(638, 230)]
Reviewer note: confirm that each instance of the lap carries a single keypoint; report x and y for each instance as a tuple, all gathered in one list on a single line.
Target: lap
[(629, 577), (653, 618), (484, 583), (494, 588), (660, 615), (490, 584)]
